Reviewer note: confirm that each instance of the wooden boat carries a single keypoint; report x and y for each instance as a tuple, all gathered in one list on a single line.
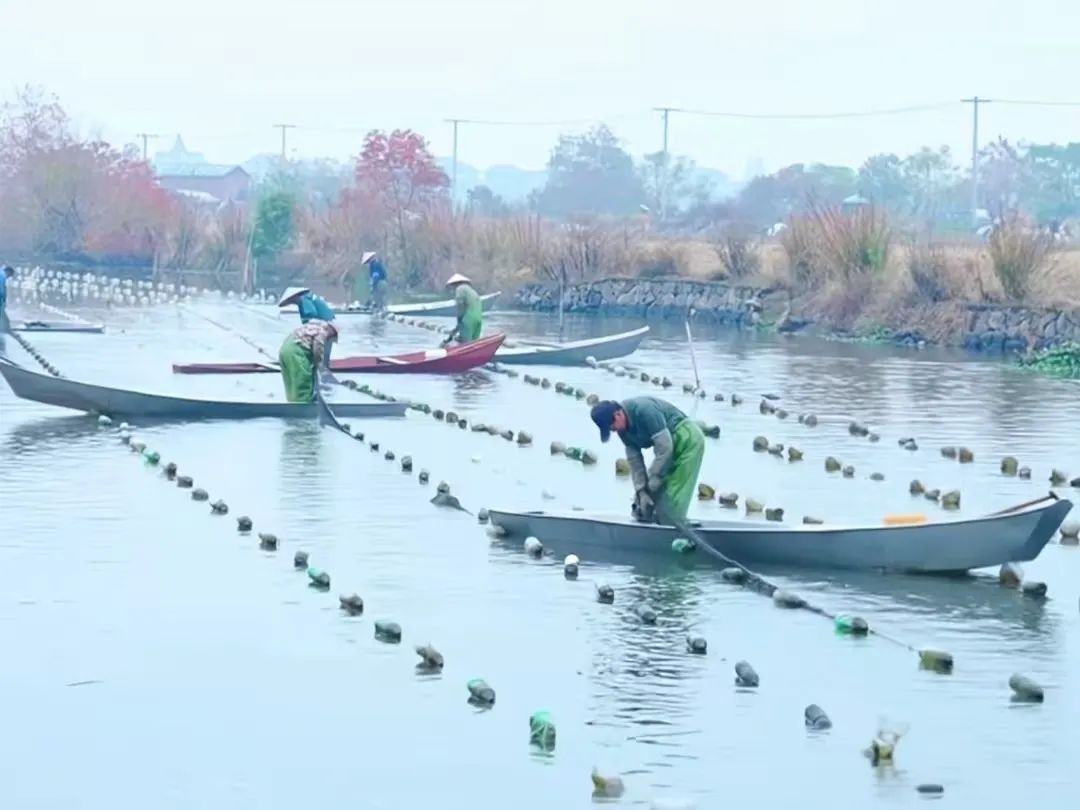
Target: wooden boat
[(574, 353), (57, 326), (119, 403), (444, 308), (440, 308), (1013, 535), (451, 360)]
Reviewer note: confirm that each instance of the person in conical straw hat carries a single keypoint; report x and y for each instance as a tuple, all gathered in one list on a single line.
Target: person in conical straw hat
[(377, 276), (311, 307), (303, 351), (470, 310)]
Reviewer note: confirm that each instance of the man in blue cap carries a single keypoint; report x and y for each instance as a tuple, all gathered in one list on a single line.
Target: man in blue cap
[(664, 489)]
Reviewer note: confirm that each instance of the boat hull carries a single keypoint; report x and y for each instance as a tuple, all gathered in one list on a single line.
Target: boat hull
[(445, 308), (440, 361), (576, 353), (947, 547), (64, 393)]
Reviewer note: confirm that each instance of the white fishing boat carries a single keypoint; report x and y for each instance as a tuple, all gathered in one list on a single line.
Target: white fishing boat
[(573, 353), (1017, 534)]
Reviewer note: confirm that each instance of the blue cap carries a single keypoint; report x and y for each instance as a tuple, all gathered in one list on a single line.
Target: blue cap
[(603, 413)]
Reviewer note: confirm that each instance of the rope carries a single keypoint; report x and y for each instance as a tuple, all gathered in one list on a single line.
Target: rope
[(232, 331), (768, 587), (28, 347)]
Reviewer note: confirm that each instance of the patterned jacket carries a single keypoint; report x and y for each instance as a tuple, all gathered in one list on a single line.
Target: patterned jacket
[(313, 336)]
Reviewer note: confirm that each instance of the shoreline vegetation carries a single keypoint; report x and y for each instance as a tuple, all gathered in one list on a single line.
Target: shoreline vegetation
[(887, 251)]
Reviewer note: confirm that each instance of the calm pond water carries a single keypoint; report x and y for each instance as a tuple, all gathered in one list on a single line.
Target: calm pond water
[(153, 655)]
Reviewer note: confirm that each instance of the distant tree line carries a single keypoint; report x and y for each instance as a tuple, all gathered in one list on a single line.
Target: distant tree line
[(64, 196)]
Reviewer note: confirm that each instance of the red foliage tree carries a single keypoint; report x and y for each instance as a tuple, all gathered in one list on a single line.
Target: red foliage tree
[(399, 171), (62, 195), (132, 210)]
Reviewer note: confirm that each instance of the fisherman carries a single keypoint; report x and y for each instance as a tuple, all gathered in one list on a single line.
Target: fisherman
[(377, 279), (470, 310), (311, 307), (301, 354), (5, 274), (662, 492)]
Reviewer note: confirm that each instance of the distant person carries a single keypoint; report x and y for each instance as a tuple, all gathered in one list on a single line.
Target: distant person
[(470, 310), (311, 307), (303, 351), (377, 278), (5, 274), (664, 489)]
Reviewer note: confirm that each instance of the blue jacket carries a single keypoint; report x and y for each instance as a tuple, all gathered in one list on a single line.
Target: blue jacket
[(378, 272), (313, 306)]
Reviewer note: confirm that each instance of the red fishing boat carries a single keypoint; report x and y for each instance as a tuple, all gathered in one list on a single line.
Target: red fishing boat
[(450, 360)]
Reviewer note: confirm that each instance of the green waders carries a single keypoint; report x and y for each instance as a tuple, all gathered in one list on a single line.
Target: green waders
[(472, 322), (297, 371), (680, 483)]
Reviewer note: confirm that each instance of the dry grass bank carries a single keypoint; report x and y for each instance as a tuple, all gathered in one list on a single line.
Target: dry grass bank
[(852, 270)]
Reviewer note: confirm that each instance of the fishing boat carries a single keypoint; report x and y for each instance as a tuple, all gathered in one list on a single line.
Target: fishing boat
[(120, 403), (447, 307), (451, 360), (57, 326), (909, 545), (575, 353)]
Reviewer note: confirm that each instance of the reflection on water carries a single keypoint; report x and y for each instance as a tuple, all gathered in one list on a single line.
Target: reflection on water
[(185, 633)]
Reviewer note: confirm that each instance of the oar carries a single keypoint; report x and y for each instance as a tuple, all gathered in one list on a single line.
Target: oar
[(693, 358)]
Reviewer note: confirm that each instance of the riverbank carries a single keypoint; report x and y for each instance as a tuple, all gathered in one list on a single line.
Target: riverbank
[(847, 313)]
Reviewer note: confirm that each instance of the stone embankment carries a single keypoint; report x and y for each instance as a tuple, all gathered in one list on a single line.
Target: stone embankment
[(981, 327)]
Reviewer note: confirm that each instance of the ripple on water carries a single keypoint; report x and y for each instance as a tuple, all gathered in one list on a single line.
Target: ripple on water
[(110, 574)]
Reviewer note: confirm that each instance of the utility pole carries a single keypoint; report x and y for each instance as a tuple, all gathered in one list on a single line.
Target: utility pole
[(146, 136), (284, 128), (975, 101), (453, 166), (666, 111), (662, 190)]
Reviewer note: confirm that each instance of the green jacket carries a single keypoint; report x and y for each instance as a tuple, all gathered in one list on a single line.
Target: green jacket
[(650, 423)]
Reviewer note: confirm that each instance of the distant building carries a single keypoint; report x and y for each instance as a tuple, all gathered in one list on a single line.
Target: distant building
[(189, 174)]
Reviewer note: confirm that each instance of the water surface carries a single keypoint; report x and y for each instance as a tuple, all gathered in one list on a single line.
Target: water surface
[(153, 655)]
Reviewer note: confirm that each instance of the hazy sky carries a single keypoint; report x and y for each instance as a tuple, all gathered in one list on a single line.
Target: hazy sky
[(222, 73)]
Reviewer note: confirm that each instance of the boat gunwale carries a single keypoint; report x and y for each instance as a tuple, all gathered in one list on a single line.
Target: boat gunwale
[(1043, 504), (603, 340), (92, 391), (428, 307), (454, 354), (446, 303)]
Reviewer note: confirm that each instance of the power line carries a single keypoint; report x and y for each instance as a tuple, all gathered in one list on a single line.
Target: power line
[(817, 116), (1026, 103), (554, 123)]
